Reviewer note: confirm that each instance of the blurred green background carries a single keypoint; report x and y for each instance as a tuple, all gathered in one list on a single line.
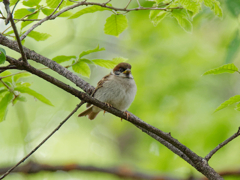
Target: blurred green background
[(172, 95)]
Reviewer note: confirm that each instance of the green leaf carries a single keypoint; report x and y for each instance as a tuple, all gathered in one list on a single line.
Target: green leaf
[(87, 61), (33, 16), (214, 6), (182, 18), (118, 60), (47, 11), (191, 5), (81, 68), (115, 24), (31, 3), (21, 75), (157, 16), (9, 32), (84, 53), (20, 13), (3, 92), (234, 7), (104, 63), (90, 9), (228, 68), (33, 93), (8, 79), (230, 101), (62, 58), (52, 3), (25, 84), (4, 102), (66, 14), (38, 36), (233, 48), (2, 56)]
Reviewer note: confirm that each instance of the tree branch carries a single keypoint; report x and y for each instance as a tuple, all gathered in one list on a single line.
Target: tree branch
[(174, 145), (122, 172), (36, 148), (222, 144)]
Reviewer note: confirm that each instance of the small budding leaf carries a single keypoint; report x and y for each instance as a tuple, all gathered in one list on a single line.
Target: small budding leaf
[(38, 36), (4, 102), (2, 56), (62, 58), (230, 101), (33, 93), (228, 68), (193, 6), (84, 53), (115, 24), (82, 68), (86, 10)]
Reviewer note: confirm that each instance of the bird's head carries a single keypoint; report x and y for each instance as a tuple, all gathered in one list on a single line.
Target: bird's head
[(123, 70)]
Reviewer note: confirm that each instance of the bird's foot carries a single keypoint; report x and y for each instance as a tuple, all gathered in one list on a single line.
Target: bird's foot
[(109, 105), (127, 113)]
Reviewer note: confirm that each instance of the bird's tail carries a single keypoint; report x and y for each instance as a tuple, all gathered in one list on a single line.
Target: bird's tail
[(89, 112)]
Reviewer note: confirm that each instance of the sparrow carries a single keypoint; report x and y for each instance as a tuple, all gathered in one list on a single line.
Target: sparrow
[(117, 89)]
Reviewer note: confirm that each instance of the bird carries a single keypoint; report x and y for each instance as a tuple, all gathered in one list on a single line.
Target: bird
[(117, 89)]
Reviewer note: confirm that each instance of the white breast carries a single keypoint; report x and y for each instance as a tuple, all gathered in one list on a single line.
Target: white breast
[(117, 91)]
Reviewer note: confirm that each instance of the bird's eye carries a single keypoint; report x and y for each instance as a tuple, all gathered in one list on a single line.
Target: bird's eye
[(121, 69)]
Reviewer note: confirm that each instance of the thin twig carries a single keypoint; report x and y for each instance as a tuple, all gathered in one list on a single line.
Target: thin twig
[(15, 6), (40, 22), (128, 4), (15, 31), (139, 3), (222, 144), (107, 2), (36, 148)]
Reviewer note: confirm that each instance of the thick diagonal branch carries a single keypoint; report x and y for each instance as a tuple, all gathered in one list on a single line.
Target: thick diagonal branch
[(165, 138)]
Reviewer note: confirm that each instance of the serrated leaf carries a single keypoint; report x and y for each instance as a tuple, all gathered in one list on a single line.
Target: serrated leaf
[(191, 5), (115, 24), (62, 58), (84, 53), (157, 16), (234, 7), (228, 68), (33, 93), (182, 19), (82, 68), (52, 3), (230, 101), (31, 3), (33, 16), (4, 102), (90, 9), (2, 56), (38, 36), (20, 13), (233, 47), (21, 75)]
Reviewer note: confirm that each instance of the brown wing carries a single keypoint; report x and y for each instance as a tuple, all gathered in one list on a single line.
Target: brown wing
[(99, 85)]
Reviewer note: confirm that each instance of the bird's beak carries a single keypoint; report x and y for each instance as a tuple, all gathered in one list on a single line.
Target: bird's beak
[(127, 71)]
